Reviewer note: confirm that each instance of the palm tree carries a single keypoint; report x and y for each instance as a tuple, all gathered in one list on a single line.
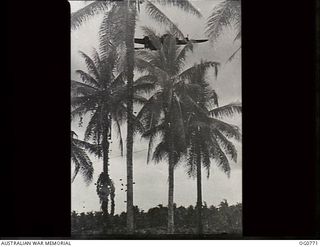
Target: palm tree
[(103, 93), (125, 16), (207, 135), (80, 158), (225, 14), (99, 93), (164, 112), (150, 6)]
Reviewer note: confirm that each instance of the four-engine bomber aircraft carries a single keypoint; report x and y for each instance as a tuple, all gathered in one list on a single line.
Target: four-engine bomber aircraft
[(148, 44)]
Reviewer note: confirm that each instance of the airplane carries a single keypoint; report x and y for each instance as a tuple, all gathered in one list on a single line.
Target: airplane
[(148, 44)]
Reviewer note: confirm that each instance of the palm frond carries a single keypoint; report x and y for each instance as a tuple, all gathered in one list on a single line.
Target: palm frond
[(204, 65), (143, 66), (88, 100), (161, 152), (91, 148), (224, 14), (137, 125), (145, 79), (227, 145), (105, 34), (112, 30), (212, 97), (184, 5), (88, 12), (87, 79), (196, 108), (94, 128), (238, 36), (219, 156), (79, 88), (96, 59), (177, 154), (151, 133), (181, 57), (120, 137), (191, 161), (148, 31), (76, 84), (229, 130), (139, 99), (77, 166), (226, 110), (153, 105), (191, 89), (73, 134), (82, 110), (121, 61), (233, 55), (155, 129), (82, 164), (118, 82), (120, 111), (145, 84), (149, 116), (150, 56), (91, 66), (155, 13), (195, 123)]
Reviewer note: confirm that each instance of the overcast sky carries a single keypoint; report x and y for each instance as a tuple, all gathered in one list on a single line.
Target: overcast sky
[(151, 179)]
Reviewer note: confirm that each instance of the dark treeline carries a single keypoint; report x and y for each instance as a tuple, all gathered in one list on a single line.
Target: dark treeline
[(216, 220)]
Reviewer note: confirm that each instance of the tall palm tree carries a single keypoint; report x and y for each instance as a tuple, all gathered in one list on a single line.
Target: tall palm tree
[(102, 93), (165, 110), (225, 14), (128, 11), (80, 158), (207, 135), (99, 94)]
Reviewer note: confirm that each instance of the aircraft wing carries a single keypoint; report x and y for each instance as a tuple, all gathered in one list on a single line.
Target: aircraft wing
[(198, 40), (181, 42), (139, 41), (184, 42)]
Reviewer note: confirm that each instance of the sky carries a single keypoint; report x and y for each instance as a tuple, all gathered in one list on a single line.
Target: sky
[(151, 183)]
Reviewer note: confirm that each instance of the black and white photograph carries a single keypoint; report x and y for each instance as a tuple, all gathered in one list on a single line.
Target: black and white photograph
[(152, 120), (156, 118)]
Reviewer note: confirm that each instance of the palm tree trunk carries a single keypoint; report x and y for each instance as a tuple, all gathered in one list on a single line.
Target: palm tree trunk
[(171, 188), (130, 66), (105, 155), (199, 192)]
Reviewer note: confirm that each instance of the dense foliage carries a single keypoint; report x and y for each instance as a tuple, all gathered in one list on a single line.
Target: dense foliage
[(216, 220)]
